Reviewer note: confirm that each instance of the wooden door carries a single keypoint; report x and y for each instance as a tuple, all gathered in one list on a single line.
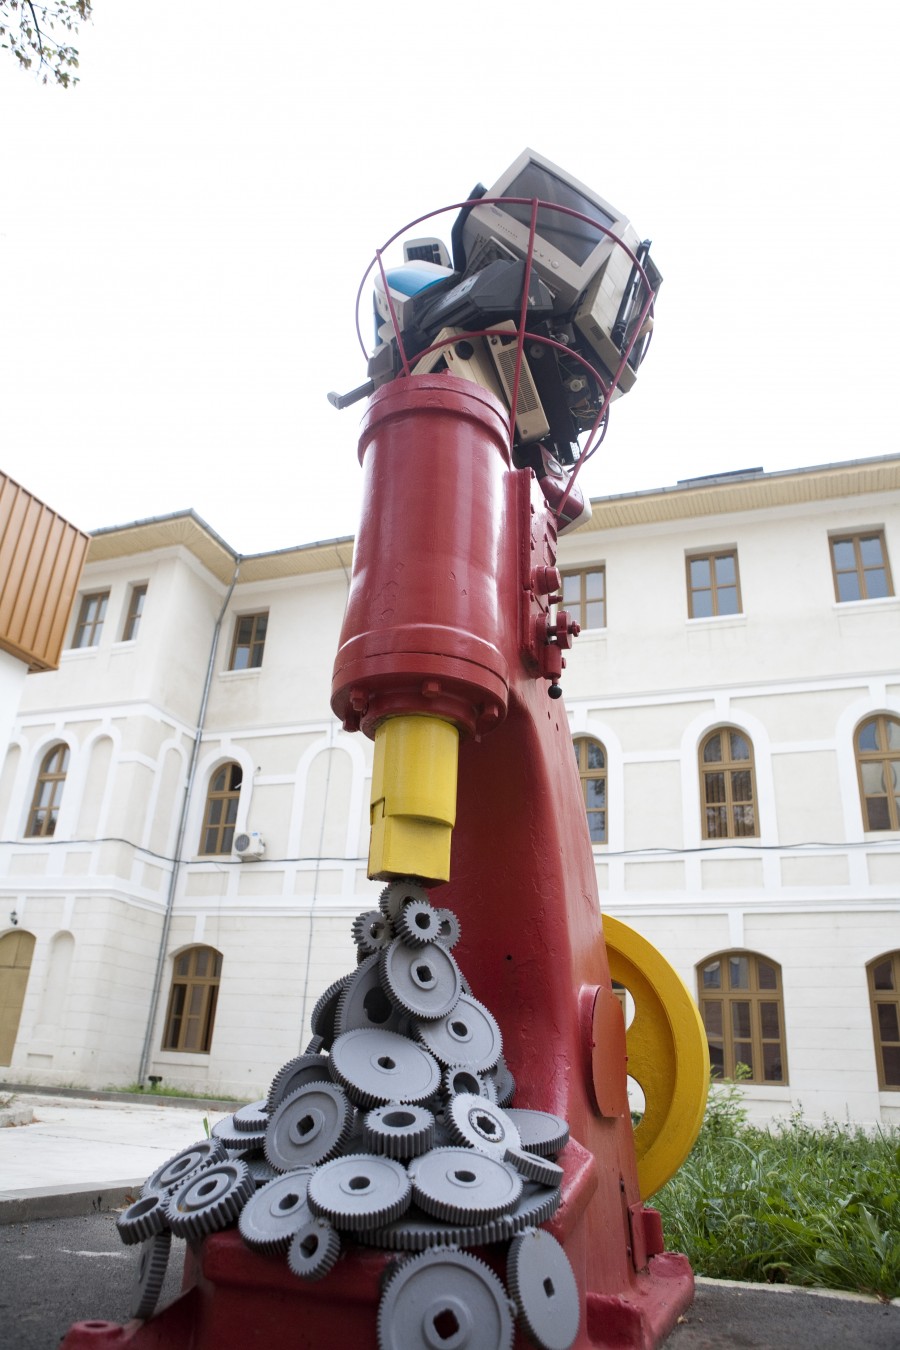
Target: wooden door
[(16, 950)]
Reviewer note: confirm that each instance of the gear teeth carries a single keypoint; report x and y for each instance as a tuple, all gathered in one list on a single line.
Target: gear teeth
[(322, 1017), (154, 1261), (314, 1250), (451, 1202), (399, 1132), (236, 1139), (390, 1180), (275, 1211), (535, 1168), (506, 1084), (178, 1169), (371, 931), (305, 1068), (536, 1207), (143, 1219), (395, 895), (541, 1132), (328, 1146), (448, 933), (252, 1118), (457, 1078), (192, 1216), (364, 999), (476, 1123), (467, 1037), (398, 1315), (551, 1315), (314, 1045), (417, 923), (392, 969)]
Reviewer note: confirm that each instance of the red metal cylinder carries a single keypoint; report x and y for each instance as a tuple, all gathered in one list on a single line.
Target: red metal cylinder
[(424, 630)]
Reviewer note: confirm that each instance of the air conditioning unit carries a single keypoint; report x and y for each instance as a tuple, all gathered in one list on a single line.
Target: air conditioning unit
[(249, 846)]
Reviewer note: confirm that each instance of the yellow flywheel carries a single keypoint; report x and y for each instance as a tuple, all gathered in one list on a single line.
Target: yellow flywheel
[(668, 1054)]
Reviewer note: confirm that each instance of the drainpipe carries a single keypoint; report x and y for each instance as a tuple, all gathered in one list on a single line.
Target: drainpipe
[(182, 826)]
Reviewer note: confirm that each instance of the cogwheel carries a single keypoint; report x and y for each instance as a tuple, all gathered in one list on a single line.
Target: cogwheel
[(544, 1289), (237, 1140), (395, 895), (308, 1127), (322, 1016), (203, 1154), (359, 1191), (414, 1231), (364, 1003), (252, 1117), (143, 1219), (478, 1123), (399, 1131), (537, 1206), (314, 1249), (210, 1201), (303, 1069), (506, 1084), (539, 1131), (457, 1079), (417, 923), (377, 1067), (448, 928), (315, 1046), (151, 1273), (461, 1186), (276, 1211), (371, 931), (535, 1168), (444, 1297), (468, 1036), (424, 981)]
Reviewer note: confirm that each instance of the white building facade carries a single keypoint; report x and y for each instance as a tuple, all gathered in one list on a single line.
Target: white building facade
[(734, 701)]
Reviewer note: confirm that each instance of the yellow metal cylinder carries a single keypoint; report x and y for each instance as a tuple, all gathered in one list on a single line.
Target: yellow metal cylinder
[(413, 798)]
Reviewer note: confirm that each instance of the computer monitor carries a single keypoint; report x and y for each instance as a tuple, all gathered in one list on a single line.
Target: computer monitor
[(568, 252)]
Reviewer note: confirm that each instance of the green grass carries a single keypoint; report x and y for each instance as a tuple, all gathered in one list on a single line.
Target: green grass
[(166, 1090), (792, 1204)]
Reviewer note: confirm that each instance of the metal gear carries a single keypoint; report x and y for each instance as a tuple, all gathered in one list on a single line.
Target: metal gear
[(371, 931), (535, 1168), (276, 1211), (203, 1154), (363, 1002), (143, 1219), (314, 1249), (252, 1117), (377, 1067), (417, 923), (461, 1186), (444, 1297), (506, 1084), (322, 1017), (416, 1231), (308, 1127), (151, 1273), (359, 1191), (460, 1079), (261, 1170), (399, 1131), (544, 1289), (468, 1036), (395, 895), (422, 981), (315, 1046), (297, 1073), (237, 1140), (448, 928), (211, 1200), (539, 1131), (478, 1123)]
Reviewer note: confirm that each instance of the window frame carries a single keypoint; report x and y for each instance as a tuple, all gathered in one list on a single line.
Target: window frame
[(578, 609), (254, 642), (728, 767), (856, 537), (56, 779), (137, 595), (711, 556), (224, 827), (86, 624), (178, 1019), (877, 998), (581, 743), (877, 756), (755, 996)]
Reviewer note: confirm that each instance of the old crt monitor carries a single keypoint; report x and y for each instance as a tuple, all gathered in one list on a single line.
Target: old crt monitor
[(568, 252)]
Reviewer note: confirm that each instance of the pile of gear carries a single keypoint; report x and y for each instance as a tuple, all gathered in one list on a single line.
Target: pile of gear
[(394, 1129)]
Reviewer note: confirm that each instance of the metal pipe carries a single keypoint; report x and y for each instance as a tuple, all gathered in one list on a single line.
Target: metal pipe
[(182, 826)]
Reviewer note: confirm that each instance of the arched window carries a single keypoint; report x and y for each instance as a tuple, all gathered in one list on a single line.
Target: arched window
[(590, 756), (192, 1001), (727, 785), (48, 793), (742, 1009), (884, 996), (877, 746), (221, 809)]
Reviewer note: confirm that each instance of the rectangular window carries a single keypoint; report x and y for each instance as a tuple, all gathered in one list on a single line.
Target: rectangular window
[(860, 566), (584, 596), (91, 616), (713, 584), (135, 611), (249, 641)]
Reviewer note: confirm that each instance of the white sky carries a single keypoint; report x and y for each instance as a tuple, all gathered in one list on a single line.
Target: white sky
[(182, 236)]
